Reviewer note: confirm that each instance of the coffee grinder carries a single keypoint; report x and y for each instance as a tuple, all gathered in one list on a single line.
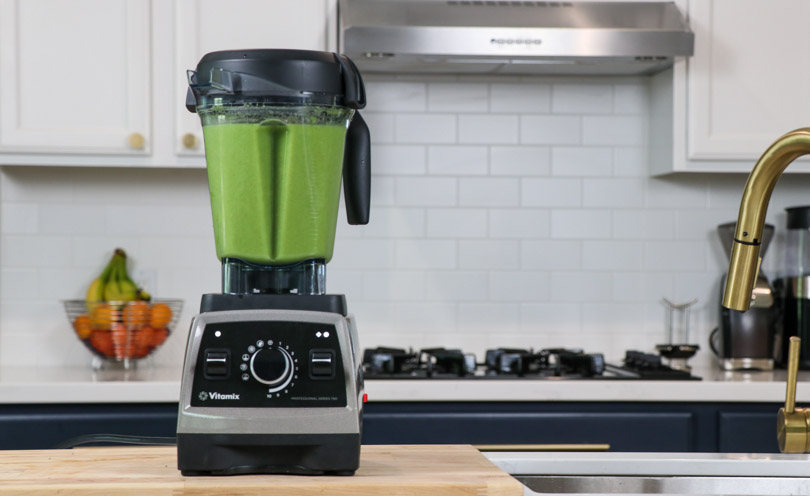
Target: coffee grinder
[(272, 378)]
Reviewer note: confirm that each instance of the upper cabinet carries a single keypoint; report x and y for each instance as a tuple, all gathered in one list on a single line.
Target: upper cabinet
[(103, 82), (745, 86), (75, 77)]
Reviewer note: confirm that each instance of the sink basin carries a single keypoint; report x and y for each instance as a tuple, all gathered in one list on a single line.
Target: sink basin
[(728, 474)]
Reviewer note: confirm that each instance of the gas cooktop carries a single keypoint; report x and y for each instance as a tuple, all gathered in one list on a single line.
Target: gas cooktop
[(513, 363)]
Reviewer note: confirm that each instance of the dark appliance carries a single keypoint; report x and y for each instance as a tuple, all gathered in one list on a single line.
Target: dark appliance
[(794, 289)]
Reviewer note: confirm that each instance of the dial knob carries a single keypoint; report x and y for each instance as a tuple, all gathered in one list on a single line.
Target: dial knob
[(273, 367)]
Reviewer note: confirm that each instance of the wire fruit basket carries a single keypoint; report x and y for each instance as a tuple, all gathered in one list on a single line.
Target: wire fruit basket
[(120, 333)]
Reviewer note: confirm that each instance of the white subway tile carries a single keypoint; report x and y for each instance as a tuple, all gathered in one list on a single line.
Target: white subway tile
[(363, 254), (641, 286), (554, 318), (144, 187), (612, 255), (728, 192), (550, 255), (613, 192), (547, 192), (428, 318), (681, 192), (488, 129), (426, 192), (630, 161), (393, 285), (38, 318), (519, 286), (426, 254), (581, 161), (376, 318), (425, 128), (458, 97), (36, 185), (487, 317), (702, 224), (151, 220), (630, 99), (347, 282), (396, 96), (474, 342), (174, 252), (581, 286), (582, 99), (612, 318), (706, 287), (674, 255), (35, 251), (580, 224), (519, 160), (519, 223), (643, 224), (398, 160), (456, 223), (19, 218), (380, 125), (457, 285), (489, 254), (457, 160), (93, 252), (613, 130), (63, 283), (489, 192), (393, 222), (520, 98), (19, 283), (71, 219), (382, 190), (550, 129)]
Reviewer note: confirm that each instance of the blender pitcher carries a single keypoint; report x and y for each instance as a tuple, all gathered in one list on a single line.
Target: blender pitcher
[(275, 155)]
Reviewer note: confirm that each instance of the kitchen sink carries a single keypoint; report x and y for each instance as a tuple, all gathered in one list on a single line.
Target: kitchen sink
[(728, 474)]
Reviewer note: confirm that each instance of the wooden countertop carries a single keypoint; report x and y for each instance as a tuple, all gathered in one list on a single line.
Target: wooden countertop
[(411, 470)]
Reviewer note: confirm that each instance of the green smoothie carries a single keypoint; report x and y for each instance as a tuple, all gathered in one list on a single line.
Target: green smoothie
[(275, 189)]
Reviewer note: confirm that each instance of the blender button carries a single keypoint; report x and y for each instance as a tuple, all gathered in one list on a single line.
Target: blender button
[(245, 357), (326, 334), (243, 367), (245, 377), (251, 349), (259, 343)]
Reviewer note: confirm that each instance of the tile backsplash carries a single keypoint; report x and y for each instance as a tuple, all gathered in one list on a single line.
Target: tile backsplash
[(505, 212)]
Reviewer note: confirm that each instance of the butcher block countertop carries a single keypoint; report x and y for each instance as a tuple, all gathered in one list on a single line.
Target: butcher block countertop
[(411, 470)]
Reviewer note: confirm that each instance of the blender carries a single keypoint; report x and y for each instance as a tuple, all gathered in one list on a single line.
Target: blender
[(271, 379)]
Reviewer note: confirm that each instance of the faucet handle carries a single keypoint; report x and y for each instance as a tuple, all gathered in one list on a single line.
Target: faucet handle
[(793, 424)]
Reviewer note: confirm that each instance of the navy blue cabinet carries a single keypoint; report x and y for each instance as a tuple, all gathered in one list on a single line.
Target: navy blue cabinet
[(671, 427)]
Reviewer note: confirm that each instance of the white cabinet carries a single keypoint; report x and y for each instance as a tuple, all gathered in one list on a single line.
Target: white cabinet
[(745, 86), (75, 76), (103, 82)]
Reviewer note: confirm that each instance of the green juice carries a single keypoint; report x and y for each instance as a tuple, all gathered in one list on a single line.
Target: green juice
[(274, 189)]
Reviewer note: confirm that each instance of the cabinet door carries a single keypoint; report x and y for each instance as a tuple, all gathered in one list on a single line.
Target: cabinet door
[(76, 76), (204, 26), (747, 81)]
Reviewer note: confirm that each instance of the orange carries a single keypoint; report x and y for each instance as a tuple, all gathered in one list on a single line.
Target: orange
[(83, 326), (161, 315), (101, 341), (103, 316), (158, 336), (136, 314)]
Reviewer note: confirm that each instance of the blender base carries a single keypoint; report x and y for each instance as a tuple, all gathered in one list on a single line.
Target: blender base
[(299, 454)]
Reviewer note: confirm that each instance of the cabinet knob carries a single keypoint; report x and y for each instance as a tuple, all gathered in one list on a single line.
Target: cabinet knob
[(136, 141), (190, 141), (793, 424)]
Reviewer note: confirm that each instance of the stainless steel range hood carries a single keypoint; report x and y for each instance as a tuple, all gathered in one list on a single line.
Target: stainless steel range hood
[(513, 37)]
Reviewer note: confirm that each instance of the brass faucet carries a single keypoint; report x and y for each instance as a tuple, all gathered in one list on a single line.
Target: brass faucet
[(793, 424)]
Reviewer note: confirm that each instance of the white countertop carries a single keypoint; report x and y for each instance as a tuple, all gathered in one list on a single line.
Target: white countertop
[(162, 385)]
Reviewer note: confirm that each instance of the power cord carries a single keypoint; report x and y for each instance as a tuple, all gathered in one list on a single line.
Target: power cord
[(116, 438)]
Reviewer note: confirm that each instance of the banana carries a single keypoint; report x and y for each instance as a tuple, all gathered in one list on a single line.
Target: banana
[(120, 287), (95, 293)]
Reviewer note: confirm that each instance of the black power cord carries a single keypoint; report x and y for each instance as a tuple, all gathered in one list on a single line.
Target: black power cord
[(116, 438)]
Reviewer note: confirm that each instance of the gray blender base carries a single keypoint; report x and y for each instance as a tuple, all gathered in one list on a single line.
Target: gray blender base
[(232, 454)]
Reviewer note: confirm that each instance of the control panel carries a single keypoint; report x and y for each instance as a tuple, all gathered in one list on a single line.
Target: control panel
[(269, 364)]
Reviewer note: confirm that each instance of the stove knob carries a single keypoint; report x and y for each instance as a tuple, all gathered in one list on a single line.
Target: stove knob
[(273, 367)]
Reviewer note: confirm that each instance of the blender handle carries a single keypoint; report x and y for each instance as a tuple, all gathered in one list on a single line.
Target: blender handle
[(357, 171)]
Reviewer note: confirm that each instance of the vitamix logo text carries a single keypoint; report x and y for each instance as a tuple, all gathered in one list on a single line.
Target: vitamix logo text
[(217, 396)]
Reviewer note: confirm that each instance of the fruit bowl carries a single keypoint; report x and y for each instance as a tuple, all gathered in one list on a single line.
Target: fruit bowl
[(122, 332)]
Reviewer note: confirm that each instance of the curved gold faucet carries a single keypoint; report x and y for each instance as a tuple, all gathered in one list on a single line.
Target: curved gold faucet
[(745, 260)]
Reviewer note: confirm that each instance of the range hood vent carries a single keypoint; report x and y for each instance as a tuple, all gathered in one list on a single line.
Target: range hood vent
[(513, 37)]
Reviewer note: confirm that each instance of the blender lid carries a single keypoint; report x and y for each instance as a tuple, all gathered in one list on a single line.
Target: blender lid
[(323, 77), (798, 217)]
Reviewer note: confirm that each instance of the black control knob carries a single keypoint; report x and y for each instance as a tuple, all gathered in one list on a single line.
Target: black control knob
[(273, 367)]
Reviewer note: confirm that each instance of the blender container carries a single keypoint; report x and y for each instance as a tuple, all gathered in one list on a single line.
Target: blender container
[(276, 155), (795, 286)]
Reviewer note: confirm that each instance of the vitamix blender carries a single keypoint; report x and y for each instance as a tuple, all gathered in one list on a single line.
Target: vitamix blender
[(272, 381)]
